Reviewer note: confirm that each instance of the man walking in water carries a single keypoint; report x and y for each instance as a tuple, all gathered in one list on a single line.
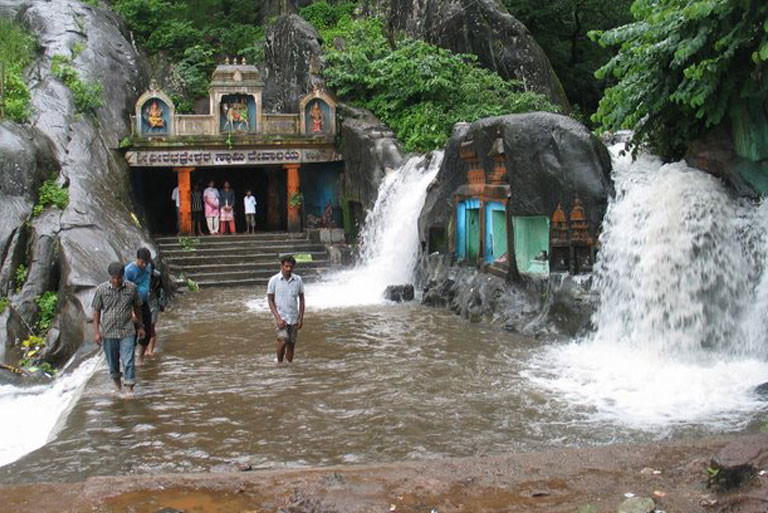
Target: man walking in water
[(283, 290), (113, 304), (139, 273)]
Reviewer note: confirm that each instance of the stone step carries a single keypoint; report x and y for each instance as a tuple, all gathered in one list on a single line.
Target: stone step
[(213, 239), (273, 249), (256, 281), (195, 260), (271, 265), (263, 274)]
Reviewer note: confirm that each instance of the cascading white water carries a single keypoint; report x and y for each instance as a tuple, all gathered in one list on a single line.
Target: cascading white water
[(680, 331), (31, 415), (389, 241)]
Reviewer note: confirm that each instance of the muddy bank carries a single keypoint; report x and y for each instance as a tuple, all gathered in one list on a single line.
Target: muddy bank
[(592, 480)]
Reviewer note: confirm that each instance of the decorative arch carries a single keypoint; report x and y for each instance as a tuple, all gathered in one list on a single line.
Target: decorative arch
[(155, 114), (318, 113)]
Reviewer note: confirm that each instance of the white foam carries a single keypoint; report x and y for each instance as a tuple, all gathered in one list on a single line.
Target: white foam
[(32, 415)]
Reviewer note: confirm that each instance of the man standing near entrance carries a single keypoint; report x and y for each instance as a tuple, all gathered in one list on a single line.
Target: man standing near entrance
[(283, 291), (177, 202), (114, 303)]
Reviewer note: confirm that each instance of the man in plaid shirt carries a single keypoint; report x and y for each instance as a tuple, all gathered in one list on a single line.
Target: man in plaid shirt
[(114, 304)]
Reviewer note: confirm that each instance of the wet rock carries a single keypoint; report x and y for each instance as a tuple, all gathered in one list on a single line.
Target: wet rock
[(484, 28), (637, 505), (399, 293), (737, 463), (369, 149), (294, 59), (169, 510), (762, 390)]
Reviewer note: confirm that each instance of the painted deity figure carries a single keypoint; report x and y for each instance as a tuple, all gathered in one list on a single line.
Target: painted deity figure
[(316, 116), (154, 117), (236, 115)]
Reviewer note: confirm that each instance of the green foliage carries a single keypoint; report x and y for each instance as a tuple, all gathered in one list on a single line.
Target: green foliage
[(560, 27), (47, 304), (77, 49), (17, 50), (296, 200), (680, 67), (125, 142), (50, 194), (189, 243), (324, 16), (192, 285), (186, 33), (4, 303), (88, 95), (20, 276), (417, 89)]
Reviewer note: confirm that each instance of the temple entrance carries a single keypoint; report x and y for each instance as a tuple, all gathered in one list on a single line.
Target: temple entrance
[(152, 189)]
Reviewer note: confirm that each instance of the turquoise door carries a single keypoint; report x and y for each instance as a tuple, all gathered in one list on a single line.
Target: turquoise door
[(473, 234)]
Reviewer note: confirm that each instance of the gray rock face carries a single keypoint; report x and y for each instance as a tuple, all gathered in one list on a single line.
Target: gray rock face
[(369, 149), (294, 59), (69, 251), (556, 308), (399, 293), (483, 28), (637, 505)]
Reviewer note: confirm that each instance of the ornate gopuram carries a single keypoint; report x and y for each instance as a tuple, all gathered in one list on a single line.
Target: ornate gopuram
[(288, 161)]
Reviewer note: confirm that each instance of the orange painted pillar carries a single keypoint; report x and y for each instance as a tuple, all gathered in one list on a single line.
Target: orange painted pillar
[(185, 199), (294, 212)]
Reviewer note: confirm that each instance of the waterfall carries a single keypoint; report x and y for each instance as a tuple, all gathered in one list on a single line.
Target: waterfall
[(680, 330), (33, 415), (389, 241)]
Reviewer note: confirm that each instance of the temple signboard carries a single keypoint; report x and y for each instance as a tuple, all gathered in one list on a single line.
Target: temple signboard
[(234, 157)]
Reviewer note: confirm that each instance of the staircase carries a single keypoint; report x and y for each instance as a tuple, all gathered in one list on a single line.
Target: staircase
[(241, 260)]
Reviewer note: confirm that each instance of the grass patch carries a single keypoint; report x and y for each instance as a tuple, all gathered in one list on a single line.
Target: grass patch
[(17, 51), (20, 276), (50, 194), (88, 95)]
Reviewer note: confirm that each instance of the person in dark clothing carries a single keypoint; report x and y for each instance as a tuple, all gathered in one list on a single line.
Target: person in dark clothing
[(198, 216), (227, 203)]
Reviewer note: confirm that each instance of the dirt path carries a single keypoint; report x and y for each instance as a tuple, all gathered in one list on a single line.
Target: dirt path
[(575, 481)]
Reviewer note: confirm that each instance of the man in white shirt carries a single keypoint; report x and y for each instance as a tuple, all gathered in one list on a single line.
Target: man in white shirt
[(250, 211), (175, 199), (283, 290)]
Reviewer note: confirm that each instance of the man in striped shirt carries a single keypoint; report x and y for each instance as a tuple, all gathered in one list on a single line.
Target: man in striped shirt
[(114, 303)]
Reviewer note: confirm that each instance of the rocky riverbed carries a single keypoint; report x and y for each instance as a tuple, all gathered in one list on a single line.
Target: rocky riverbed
[(625, 478)]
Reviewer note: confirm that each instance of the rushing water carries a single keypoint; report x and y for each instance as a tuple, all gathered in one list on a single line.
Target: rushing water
[(679, 345), (681, 328)]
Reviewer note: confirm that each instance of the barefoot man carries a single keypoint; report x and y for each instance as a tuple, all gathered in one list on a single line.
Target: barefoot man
[(113, 304), (282, 292)]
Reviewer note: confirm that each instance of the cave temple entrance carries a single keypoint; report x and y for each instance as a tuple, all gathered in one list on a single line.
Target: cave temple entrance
[(289, 161)]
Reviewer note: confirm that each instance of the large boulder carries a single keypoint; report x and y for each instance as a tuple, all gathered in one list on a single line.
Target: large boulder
[(294, 58), (550, 159), (369, 149), (483, 28), (68, 251)]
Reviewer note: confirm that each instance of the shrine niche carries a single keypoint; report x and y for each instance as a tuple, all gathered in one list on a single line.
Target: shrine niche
[(237, 113), (571, 242), (154, 114), (318, 111)]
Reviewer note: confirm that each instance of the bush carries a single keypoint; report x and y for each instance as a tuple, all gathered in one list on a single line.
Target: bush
[(47, 304), (20, 276), (50, 194), (17, 50), (681, 66), (88, 96), (419, 90)]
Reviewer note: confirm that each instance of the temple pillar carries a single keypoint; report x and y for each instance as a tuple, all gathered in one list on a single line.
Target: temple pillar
[(185, 198), (292, 189)]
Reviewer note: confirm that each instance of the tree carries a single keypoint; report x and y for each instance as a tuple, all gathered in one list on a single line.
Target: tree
[(681, 66), (561, 27)]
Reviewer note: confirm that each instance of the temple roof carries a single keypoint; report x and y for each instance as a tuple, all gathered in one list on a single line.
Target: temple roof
[(236, 75)]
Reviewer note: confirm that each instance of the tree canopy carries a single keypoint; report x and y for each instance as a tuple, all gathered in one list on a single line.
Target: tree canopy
[(419, 90), (681, 65)]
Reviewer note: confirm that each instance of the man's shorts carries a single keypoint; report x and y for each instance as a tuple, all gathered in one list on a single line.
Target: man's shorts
[(288, 333)]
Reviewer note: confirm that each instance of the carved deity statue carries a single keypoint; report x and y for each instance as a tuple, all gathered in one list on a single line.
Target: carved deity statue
[(154, 116), (236, 115), (316, 115)]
